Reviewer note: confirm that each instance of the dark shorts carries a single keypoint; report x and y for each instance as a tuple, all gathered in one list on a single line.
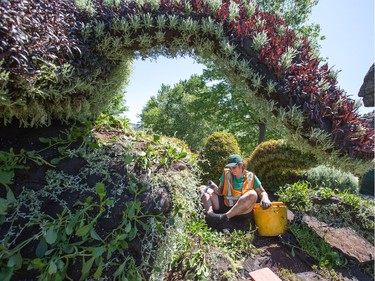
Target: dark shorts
[(222, 207)]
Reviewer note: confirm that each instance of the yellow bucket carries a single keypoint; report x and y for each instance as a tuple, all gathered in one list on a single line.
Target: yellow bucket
[(272, 221)]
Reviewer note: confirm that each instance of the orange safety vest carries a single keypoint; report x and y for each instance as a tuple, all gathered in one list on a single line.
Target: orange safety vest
[(232, 195)]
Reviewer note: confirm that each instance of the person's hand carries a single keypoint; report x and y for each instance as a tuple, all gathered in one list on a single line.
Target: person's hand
[(213, 186), (265, 202)]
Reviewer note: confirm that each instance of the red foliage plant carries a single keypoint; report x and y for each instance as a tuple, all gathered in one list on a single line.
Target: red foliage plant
[(35, 32), (307, 84)]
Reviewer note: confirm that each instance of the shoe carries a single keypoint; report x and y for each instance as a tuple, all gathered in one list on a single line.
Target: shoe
[(217, 217), (216, 221)]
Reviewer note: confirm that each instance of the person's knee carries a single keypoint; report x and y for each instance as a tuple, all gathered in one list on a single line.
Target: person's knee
[(206, 193), (251, 196)]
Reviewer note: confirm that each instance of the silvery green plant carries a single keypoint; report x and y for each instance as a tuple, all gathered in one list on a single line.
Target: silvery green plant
[(248, 73), (334, 73), (214, 5), (127, 39), (204, 47), (233, 10), (287, 57), (140, 3), (219, 31), (243, 65), (321, 137), (323, 84), (296, 114), (189, 25), (173, 21), (208, 25), (259, 23), (293, 116), (260, 39), (280, 29), (112, 3), (234, 61), (114, 46), (161, 21), (85, 5), (271, 87), (86, 31), (99, 29), (298, 41), (160, 36), (250, 6), (256, 80), (135, 22), (226, 47), (186, 36), (145, 40), (207, 46), (155, 4), (188, 8), (147, 20), (121, 25)]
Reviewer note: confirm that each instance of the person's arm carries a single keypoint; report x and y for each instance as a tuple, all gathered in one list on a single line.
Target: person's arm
[(219, 191), (265, 201)]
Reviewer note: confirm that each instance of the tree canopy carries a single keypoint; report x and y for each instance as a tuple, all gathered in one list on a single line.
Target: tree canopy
[(195, 108)]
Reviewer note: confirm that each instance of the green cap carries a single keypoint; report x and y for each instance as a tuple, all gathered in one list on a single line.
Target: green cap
[(233, 160)]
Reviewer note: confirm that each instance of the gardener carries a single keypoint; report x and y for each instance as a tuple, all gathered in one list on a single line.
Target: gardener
[(236, 194)]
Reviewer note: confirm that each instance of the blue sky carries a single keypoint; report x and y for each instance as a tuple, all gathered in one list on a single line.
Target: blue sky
[(349, 47)]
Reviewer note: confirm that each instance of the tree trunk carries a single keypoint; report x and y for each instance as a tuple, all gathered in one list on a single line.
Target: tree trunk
[(262, 132)]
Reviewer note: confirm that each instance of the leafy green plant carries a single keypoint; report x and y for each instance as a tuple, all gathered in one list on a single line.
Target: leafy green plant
[(196, 259), (11, 161), (331, 206), (159, 152), (297, 196), (72, 237), (316, 247)]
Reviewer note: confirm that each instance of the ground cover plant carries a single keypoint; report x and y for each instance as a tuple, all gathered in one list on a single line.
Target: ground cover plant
[(340, 209), (90, 218), (126, 205)]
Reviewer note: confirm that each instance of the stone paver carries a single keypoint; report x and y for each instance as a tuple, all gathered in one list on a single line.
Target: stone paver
[(264, 274)]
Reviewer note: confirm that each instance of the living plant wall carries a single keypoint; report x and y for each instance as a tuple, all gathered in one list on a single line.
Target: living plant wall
[(68, 60)]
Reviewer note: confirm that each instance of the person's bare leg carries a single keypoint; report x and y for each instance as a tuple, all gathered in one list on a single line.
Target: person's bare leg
[(209, 199), (244, 205)]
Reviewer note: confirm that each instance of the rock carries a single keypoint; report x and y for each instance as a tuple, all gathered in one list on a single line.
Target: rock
[(367, 89), (345, 239)]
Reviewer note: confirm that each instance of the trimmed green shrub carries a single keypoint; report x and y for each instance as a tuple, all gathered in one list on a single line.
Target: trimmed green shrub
[(323, 176), (367, 183), (276, 163), (217, 149)]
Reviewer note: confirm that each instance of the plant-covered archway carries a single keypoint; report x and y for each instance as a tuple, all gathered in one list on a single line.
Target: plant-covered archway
[(70, 60)]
